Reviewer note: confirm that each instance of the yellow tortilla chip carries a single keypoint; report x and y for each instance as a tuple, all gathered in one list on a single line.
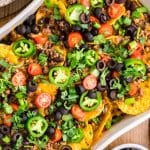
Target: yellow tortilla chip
[(141, 104), (87, 140), (6, 53), (92, 114), (104, 119)]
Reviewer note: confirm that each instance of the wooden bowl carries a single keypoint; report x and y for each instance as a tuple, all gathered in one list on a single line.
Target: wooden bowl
[(12, 6)]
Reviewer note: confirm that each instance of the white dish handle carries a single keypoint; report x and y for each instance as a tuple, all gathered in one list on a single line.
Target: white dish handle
[(30, 9)]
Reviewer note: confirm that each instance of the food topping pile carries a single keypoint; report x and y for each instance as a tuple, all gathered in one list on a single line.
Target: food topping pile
[(71, 71)]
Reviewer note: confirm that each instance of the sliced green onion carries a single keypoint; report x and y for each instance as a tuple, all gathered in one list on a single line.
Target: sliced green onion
[(130, 101)]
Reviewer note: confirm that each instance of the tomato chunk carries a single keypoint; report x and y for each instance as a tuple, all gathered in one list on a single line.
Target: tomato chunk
[(43, 100), (74, 38), (114, 10), (57, 135), (106, 30), (133, 89), (85, 3), (90, 82), (77, 112), (19, 79), (34, 69), (7, 120), (40, 39)]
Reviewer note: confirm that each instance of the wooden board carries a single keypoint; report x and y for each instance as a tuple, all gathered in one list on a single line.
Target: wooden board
[(138, 135), (13, 7)]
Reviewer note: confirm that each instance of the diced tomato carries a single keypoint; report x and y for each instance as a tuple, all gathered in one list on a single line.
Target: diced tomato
[(77, 113), (7, 120), (14, 106), (105, 58), (115, 74), (85, 3), (114, 10), (19, 79), (40, 39), (137, 52), (43, 100), (94, 19), (106, 30), (133, 89), (57, 135), (74, 38), (90, 82), (34, 69)]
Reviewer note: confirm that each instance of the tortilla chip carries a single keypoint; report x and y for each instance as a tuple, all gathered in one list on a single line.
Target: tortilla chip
[(93, 114), (87, 140), (105, 118), (141, 104)]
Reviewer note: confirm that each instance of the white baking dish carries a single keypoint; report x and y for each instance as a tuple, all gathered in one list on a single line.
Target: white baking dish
[(117, 130)]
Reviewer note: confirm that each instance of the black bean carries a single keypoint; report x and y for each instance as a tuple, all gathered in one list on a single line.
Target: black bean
[(24, 117), (63, 37), (58, 115), (133, 6), (31, 86), (131, 29), (16, 136), (5, 130), (120, 1), (127, 4), (1, 135), (103, 18), (94, 32), (11, 97), (1, 99), (108, 76), (84, 18), (112, 64), (119, 66), (50, 131), (84, 46), (21, 29), (80, 89), (109, 2), (92, 94), (2, 69), (42, 21), (112, 94), (64, 26), (30, 21), (101, 65), (65, 147), (76, 28), (148, 69), (101, 88), (97, 12), (35, 29), (63, 110), (88, 36), (129, 80), (28, 29)]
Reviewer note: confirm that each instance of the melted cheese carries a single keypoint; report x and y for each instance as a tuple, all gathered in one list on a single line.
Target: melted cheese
[(6, 53)]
